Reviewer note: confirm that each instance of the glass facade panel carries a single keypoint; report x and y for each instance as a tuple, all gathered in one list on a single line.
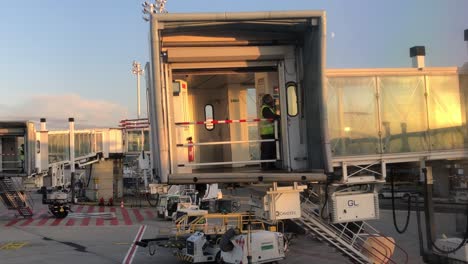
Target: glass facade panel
[(134, 141), (446, 118), (59, 147), (403, 114), (82, 144), (353, 116), (147, 140), (98, 136)]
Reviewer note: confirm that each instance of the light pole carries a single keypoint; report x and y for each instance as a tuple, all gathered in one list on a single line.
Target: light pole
[(138, 71)]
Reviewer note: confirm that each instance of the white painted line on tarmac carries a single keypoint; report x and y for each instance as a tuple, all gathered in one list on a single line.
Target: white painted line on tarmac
[(132, 250)]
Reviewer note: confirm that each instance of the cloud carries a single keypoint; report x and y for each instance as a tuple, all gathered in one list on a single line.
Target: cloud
[(88, 113)]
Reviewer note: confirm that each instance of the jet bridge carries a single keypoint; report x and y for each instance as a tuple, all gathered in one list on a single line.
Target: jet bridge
[(25, 152), (388, 116), (17, 148)]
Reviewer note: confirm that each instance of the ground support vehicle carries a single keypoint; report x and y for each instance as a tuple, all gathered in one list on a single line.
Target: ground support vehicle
[(200, 237), (58, 202), (261, 246), (169, 204)]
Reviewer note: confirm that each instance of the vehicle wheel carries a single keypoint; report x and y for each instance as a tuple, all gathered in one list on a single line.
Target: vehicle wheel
[(160, 215), (63, 214), (381, 196), (59, 214), (219, 259)]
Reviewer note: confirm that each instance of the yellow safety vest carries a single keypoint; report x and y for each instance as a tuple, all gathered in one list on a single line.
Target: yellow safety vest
[(21, 153), (266, 127)]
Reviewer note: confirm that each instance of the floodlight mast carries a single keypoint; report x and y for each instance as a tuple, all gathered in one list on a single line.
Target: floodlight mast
[(161, 6), (158, 7), (138, 71)]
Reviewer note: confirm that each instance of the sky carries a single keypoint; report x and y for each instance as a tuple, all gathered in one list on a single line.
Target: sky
[(61, 59)]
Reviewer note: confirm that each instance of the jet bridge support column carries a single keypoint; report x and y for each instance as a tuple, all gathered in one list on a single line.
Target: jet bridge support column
[(159, 150), (71, 121), (43, 156), (426, 177)]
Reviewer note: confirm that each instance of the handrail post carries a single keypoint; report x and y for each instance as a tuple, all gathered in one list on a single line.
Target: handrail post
[(277, 140)]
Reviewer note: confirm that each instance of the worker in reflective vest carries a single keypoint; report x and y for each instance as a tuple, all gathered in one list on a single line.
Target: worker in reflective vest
[(21, 156), (267, 131)]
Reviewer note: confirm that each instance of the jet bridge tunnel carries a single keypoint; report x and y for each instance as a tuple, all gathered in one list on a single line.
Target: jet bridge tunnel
[(205, 102), (17, 148)]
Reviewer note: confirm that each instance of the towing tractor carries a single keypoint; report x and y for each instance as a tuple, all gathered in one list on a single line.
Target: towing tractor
[(202, 237), (233, 248)]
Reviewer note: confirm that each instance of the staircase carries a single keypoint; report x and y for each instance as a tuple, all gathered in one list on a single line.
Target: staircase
[(13, 198), (358, 241)]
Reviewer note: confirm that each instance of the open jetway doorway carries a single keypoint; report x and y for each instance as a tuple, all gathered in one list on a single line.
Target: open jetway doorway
[(218, 118)]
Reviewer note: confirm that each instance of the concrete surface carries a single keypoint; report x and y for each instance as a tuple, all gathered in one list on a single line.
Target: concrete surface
[(108, 243)]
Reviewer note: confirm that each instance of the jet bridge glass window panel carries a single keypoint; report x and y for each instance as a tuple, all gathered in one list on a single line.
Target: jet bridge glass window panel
[(98, 137), (59, 147), (403, 114), (209, 116), (82, 144), (353, 115), (134, 141), (446, 118), (147, 140), (291, 91)]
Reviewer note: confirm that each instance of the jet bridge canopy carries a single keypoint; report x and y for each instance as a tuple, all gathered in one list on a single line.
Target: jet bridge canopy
[(291, 43), (17, 148)]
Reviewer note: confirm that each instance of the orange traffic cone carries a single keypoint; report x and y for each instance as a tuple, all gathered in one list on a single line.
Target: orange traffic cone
[(122, 204)]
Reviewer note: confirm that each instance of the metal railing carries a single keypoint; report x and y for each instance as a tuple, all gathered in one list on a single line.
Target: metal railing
[(216, 223), (359, 240), (231, 142)]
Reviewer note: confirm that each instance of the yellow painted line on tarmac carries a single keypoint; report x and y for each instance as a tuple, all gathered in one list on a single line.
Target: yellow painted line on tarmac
[(121, 243), (13, 245)]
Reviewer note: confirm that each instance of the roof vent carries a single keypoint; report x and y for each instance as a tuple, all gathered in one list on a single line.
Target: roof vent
[(466, 39), (418, 54)]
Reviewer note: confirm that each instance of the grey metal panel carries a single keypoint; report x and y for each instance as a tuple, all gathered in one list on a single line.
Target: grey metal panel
[(238, 16), (160, 159), (13, 124), (30, 149), (255, 177), (319, 153), (11, 131)]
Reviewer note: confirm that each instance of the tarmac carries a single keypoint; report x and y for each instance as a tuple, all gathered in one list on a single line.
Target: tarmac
[(109, 239)]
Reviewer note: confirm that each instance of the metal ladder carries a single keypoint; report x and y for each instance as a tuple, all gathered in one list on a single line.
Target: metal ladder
[(351, 239), (13, 198)]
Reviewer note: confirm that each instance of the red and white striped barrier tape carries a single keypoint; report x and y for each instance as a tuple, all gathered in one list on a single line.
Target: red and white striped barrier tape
[(227, 121)]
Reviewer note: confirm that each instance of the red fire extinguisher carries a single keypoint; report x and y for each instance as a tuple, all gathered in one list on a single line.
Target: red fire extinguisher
[(191, 151)]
